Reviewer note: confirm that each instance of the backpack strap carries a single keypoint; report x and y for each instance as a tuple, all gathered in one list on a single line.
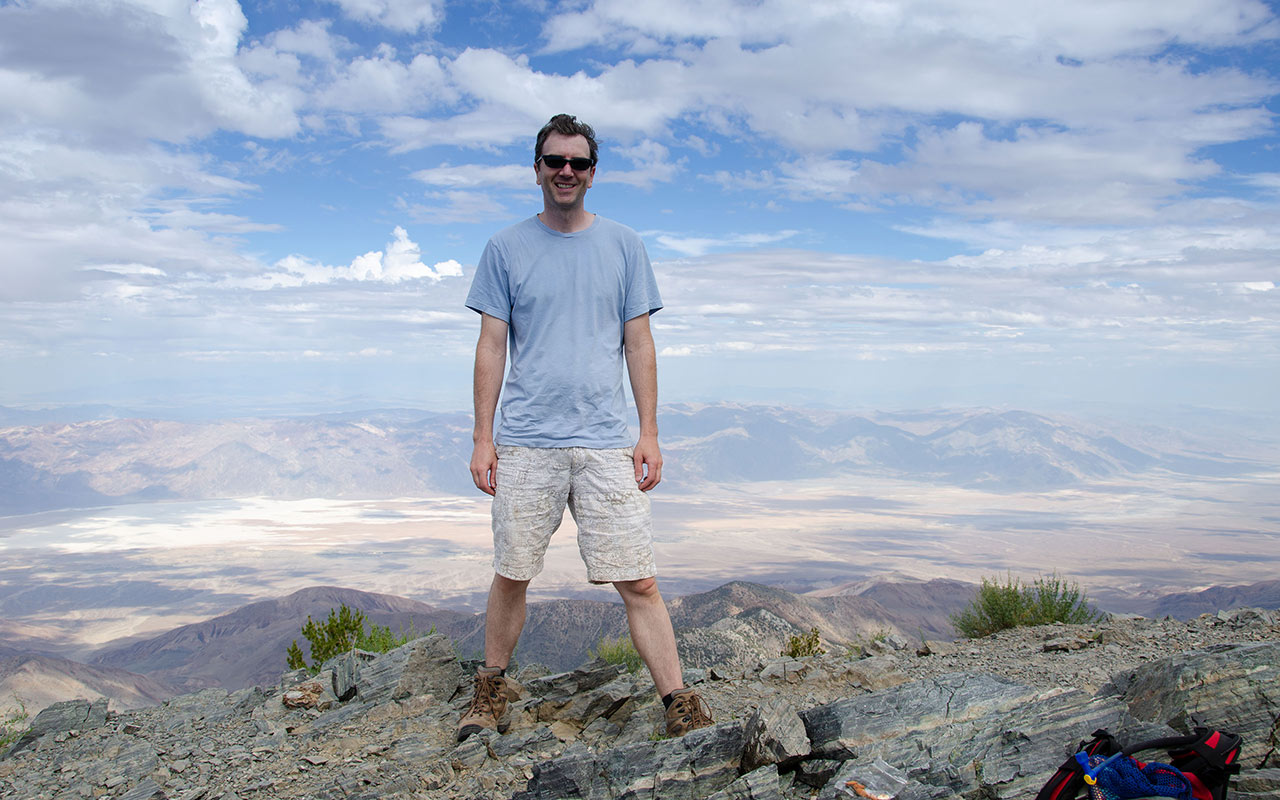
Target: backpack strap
[(1069, 779)]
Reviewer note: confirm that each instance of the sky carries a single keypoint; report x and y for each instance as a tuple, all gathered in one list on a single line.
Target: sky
[(273, 207)]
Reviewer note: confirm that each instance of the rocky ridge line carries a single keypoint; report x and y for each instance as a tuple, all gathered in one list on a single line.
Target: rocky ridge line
[(986, 718)]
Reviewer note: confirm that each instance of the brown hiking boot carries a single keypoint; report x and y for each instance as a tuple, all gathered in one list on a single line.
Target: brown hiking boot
[(687, 712), (489, 705)]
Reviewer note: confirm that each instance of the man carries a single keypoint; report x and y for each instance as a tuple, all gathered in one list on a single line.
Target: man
[(570, 293)]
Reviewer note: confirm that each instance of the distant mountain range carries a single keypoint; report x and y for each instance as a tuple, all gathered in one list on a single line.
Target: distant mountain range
[(246, 646), (399, 453), (1185, 605), (38, 680)]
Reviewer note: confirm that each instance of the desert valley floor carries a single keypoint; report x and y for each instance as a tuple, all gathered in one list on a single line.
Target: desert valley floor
[(73, 580)]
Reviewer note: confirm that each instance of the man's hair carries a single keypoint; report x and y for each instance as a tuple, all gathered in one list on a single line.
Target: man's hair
[(566, 125)]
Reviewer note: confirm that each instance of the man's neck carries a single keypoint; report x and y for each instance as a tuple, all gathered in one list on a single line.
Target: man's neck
[(567, 221)]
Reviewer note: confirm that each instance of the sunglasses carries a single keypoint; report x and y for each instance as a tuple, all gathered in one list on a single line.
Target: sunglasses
[(558, 162)]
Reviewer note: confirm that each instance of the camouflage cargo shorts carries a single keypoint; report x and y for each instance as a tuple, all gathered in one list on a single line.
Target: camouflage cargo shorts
[(615, 531)]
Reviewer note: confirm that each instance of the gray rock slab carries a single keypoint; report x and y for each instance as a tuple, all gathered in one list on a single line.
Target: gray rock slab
[(877, 672), (527, 743), (601, 701), (146, 789), (879, 780), (815, 772), (345, 672), (201, 704), (758, 784), (60, 717), (575, 775), (774, 734), (423, 666), (1010, 753), (1230, 687), (1257, 783), (838, 729), (691, 767), (416, 748), (964, 734), (119, 755), (566, 685), (333, 719)]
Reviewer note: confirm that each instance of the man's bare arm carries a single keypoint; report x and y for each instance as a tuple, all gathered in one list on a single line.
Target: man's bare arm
[(491, 361), (642, 369)]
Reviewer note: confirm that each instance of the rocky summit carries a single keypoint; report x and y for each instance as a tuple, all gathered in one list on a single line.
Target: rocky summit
[(883, 718)]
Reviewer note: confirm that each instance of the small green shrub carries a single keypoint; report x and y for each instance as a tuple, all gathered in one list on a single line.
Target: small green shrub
[(803, 644), (998, 606), (380, 639), (861, 646), (620, 650), (11, 725), (341, 631), (1054, 600)]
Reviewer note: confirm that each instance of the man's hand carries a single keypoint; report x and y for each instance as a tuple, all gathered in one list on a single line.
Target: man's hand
[(648, 455), (484, 467)]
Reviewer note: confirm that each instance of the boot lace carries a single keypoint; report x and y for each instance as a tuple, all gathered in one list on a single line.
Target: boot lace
[(693, 710), (488, 693)]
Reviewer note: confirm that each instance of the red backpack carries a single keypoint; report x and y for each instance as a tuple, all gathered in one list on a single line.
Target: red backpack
[(1207, 759)]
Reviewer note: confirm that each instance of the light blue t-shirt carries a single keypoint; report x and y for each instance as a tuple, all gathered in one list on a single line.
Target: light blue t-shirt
[(565, 297)]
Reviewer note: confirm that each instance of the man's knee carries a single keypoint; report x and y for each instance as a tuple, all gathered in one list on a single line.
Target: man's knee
[(507, 586), (643, 589)]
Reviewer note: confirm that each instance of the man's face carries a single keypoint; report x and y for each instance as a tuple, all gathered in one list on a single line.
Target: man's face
[(564, 188)]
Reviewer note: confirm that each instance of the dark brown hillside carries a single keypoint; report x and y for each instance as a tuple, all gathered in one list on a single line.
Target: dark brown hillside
[(557, 633), (1185, 605), (246, 646), (839, 619), (32, 681)]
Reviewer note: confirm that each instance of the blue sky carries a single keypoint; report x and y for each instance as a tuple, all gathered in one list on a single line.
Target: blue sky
[(278, 206)]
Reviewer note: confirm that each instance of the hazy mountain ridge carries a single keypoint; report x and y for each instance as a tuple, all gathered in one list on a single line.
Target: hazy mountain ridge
[(1184, 605), (33, 681), (992, 449), (245, 646), (123, 460), (398, 453)]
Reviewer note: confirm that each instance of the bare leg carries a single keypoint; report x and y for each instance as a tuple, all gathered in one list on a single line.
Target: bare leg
[(651, 632), (503, 621)]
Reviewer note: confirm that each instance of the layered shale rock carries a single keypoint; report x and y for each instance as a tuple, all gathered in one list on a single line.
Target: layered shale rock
[(992, 719)]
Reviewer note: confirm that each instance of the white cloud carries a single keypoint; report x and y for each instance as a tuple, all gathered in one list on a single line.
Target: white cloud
[(1071, 151), (310, 37), (385, 85), (1159, 291), (478, 176), (121, 70), (701, 245), (406, 16), (1087, 29), (457, 206), (652, 162), (400, 261)]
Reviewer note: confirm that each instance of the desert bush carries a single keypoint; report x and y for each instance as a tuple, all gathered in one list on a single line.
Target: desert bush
[(998, 606), (863, 643), (341, 631), (12, 725), (1054, 600), (620, 650), (803, 644)]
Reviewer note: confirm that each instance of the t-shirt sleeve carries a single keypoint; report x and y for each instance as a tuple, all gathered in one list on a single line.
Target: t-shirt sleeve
[(490, 290), (642, 286)]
